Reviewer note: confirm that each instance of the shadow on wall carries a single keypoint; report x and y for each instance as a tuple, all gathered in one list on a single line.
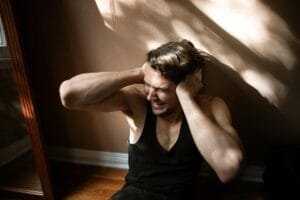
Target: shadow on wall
[(257, 54), (255, 69), (260, 124)]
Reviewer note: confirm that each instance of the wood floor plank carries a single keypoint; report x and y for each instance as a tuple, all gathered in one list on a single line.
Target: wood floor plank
[(80, 182)]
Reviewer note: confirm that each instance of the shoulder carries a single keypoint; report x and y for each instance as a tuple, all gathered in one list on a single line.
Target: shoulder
[(135, 98), (138, 109), (216, 107), (205, 100), (135, 91)]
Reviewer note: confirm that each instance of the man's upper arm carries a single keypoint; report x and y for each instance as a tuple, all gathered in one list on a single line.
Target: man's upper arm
[(119, 101), (222, 115)]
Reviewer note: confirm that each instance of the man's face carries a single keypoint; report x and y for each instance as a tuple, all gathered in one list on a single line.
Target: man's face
[(161, 92)]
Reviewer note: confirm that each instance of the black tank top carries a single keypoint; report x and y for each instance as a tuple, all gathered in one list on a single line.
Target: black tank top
[(153, 168)]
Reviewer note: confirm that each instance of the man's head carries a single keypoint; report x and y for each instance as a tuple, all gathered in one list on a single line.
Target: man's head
[(174, 60), (166, 66)]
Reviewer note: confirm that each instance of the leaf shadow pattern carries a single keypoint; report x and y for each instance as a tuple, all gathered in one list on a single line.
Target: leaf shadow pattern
[(260, 124)]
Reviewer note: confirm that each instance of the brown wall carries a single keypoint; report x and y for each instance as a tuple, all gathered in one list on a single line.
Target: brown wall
[(257, 74)]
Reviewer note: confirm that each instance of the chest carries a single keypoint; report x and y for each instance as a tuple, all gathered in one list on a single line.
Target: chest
[(167, 134)]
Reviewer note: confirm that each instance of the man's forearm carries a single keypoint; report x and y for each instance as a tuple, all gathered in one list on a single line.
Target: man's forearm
[(199, 123), (218, 147), (90, 88)]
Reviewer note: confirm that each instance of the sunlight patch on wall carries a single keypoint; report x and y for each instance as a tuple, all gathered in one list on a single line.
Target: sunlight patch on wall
[(154, 38), (185, 31), (152, 44), (253, 24), (266, 85), (246, 35), (159, 7), (110, 9)]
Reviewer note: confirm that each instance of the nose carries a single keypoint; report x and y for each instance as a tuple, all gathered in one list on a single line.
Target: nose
[(151, 93)]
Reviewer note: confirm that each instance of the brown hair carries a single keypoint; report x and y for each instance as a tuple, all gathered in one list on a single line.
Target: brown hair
[(176, 59)]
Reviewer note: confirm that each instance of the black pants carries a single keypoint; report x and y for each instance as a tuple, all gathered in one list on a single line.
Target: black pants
[(134, 193)]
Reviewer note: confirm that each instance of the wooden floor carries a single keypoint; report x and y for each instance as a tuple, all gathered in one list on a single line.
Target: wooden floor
[(79, 182)]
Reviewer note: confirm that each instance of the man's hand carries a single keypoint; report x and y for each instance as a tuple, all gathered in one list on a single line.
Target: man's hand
[(191, 84), (143, 68), (140, 71)]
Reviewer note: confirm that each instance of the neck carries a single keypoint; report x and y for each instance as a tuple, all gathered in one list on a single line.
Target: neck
[(173, 117)]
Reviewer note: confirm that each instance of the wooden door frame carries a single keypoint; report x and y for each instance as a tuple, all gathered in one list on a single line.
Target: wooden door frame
[(25, 95)]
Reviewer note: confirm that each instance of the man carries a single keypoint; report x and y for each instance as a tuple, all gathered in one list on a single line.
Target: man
[(173, 127)]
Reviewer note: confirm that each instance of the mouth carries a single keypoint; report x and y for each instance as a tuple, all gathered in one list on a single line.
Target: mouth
[(157, 104)]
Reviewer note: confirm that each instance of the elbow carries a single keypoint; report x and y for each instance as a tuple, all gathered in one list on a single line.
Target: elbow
[(66, 94), (231, 167)]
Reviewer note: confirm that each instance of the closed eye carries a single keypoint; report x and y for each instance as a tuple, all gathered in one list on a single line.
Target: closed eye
[(162, 89), (165, 90)]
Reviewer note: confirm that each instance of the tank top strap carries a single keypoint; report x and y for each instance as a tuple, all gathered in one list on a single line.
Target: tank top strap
[(149, 129), (185, 131)]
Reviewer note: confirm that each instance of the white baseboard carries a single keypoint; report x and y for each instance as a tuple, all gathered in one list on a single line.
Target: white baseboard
[(89, 157), (251, 173), (14, 150)]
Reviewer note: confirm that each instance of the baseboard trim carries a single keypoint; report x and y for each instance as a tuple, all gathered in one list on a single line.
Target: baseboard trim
[(14, 150), (252, 173), (89, 157)]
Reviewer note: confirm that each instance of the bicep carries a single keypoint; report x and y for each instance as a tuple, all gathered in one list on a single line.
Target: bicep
[(118, 101), (114, 102), (222, 116)]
